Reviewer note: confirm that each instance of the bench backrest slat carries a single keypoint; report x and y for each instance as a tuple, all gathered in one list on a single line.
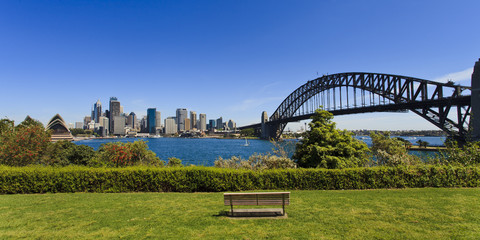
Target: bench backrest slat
[(274, 198)]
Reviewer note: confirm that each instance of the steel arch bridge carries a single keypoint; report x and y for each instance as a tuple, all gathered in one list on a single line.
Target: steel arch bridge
[(445, 105)]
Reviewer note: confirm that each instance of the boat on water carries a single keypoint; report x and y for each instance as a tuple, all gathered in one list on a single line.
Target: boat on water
[(246, 143)]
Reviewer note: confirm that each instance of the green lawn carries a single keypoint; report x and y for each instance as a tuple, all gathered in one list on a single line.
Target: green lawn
[(368, 214)]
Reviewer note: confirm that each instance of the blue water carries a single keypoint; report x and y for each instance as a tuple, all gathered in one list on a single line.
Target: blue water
[(197, 151), (204, 151)]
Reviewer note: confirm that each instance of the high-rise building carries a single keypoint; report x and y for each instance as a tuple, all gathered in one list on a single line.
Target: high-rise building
[(158, 119), (231, 125), (219, 123), (86, 121), (143, 125), (211, 124), (114, 110), (119, 122), (106, 123), (202, 122), (187, 124), (132, 120), (193, 120), (181, 115), (170, 126), (97, 111), (151, 120), (79, 125)]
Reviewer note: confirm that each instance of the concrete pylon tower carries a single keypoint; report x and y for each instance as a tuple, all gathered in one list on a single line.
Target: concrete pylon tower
[(475, 102), (265, 132)]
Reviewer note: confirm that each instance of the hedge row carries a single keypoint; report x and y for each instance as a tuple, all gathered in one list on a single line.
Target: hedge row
[(208, 179)]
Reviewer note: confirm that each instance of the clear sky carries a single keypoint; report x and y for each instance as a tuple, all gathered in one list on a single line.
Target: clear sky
[(224, 58)]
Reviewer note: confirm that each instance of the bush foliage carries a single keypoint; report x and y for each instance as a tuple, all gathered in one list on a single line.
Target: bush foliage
[(326, 147), (120, 154), (37, 179)]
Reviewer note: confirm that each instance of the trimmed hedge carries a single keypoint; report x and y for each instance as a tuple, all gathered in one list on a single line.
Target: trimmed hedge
[(37, 179)]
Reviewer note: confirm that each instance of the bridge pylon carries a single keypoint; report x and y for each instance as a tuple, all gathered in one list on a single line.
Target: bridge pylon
[(268, 130), (475, 103)]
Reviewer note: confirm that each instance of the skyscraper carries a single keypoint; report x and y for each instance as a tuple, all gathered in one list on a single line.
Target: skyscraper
[(187, 124), (219, 123), (181, 115), (151, 120), (211, 124), (202, 122), (114, 110), (97, 111), (193, 120), (158, 120), (170, 126), (132, 120)]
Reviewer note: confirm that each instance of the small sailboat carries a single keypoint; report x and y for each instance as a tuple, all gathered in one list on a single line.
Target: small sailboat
[(246, 143)]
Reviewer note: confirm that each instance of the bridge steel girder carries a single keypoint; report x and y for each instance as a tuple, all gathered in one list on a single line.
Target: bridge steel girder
[(404, 93)]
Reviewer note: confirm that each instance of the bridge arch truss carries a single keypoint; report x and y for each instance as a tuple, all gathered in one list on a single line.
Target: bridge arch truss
[(445, 105)]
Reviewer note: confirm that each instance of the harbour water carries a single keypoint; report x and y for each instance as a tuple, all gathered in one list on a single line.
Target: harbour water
[(204, 151)]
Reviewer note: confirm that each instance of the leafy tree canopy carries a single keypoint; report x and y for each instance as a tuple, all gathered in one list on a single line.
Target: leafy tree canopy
[(326, 147)]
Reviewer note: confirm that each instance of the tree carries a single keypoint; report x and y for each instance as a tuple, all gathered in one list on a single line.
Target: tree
[(326, 147), (127, 154), (24, 144), (248, 132), (390, 151), (63, 153), (422, 143)]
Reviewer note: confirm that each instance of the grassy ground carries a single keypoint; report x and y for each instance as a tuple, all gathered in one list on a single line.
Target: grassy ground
[(370, 214)]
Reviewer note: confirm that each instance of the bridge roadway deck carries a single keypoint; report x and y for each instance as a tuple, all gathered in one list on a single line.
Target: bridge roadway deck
[(458, 101)]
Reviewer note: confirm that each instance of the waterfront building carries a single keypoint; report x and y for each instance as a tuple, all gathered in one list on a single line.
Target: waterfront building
[(170, 126), (193, 120), (231, 125), (219, 123), (181, 115), (202, 122), (158, 119), (211, 124), (105, 125), (187, 124), (97, 111), (86, 121), (58, 129), (132, 120), (151, 120), (119, 128), (143, 125), (114, 109), (79, 125)]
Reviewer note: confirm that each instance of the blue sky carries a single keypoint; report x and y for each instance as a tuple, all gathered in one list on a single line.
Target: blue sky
[(224, 58)]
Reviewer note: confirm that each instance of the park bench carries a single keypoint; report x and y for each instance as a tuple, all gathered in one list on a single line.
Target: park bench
[(258, 198)]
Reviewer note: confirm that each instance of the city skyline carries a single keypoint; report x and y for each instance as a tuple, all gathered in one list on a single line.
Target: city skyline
[(230, 59)]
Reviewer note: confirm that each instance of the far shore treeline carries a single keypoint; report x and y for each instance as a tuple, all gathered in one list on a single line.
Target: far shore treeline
[(32, 163)]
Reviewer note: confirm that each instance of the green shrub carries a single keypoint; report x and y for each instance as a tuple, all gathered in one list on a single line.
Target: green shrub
[(256, 162), (37, 179), (120, 154), (174, 162), (466, 155), (391, 151), (63, 153)]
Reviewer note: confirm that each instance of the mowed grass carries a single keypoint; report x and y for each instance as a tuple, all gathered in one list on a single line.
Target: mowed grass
[(369, 214)]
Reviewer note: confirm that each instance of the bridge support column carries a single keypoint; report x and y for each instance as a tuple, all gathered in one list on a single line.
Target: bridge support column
[(475, 102), (268, 129)]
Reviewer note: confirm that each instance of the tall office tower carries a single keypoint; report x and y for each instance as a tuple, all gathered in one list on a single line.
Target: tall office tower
[(202, 122), (158, 119), (231, 124), (187, 124), (114, 110), (151, 120), (97, 111), (79, 125), (106, 122), (86, 121), (170, 126), (219, 123), (132, 120), (119, 128), (143, 125), (193, 120), (121, 109), (181, 115), (211, 124)]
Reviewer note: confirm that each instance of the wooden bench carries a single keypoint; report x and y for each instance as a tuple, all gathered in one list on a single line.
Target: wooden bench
[(259, 198)]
